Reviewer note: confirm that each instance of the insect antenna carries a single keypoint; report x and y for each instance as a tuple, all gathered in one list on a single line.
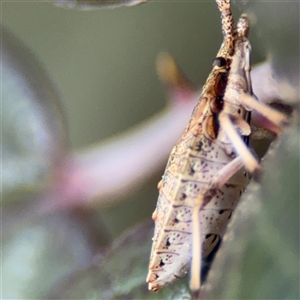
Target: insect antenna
[(227, 26)]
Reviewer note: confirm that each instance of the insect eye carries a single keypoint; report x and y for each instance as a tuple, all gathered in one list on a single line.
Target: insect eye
[(219, 62)]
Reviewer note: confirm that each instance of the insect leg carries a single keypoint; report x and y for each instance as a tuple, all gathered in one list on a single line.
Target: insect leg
[(195, 282), (217, 181), (249, 101), (247, 67), (241, 148), (271, 114)]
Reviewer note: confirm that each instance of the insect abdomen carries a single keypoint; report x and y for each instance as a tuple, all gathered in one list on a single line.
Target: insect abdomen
[(193, 162)]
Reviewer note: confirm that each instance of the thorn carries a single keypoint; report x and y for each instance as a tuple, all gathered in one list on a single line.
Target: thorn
[(170, 73)]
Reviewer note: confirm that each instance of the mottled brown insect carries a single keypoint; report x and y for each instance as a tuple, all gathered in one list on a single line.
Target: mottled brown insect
[(207, 170)]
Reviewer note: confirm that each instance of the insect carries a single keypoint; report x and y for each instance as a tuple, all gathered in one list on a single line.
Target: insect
[(209, 167)]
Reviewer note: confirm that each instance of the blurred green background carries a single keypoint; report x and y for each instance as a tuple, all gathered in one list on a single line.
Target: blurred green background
[(103, 61)]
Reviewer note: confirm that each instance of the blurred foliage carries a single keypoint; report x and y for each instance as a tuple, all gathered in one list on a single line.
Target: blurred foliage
[(42, 253), (91, 57), (33, 135)]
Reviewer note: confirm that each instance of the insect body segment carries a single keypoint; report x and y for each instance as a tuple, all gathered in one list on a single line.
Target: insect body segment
[(186, 175)]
